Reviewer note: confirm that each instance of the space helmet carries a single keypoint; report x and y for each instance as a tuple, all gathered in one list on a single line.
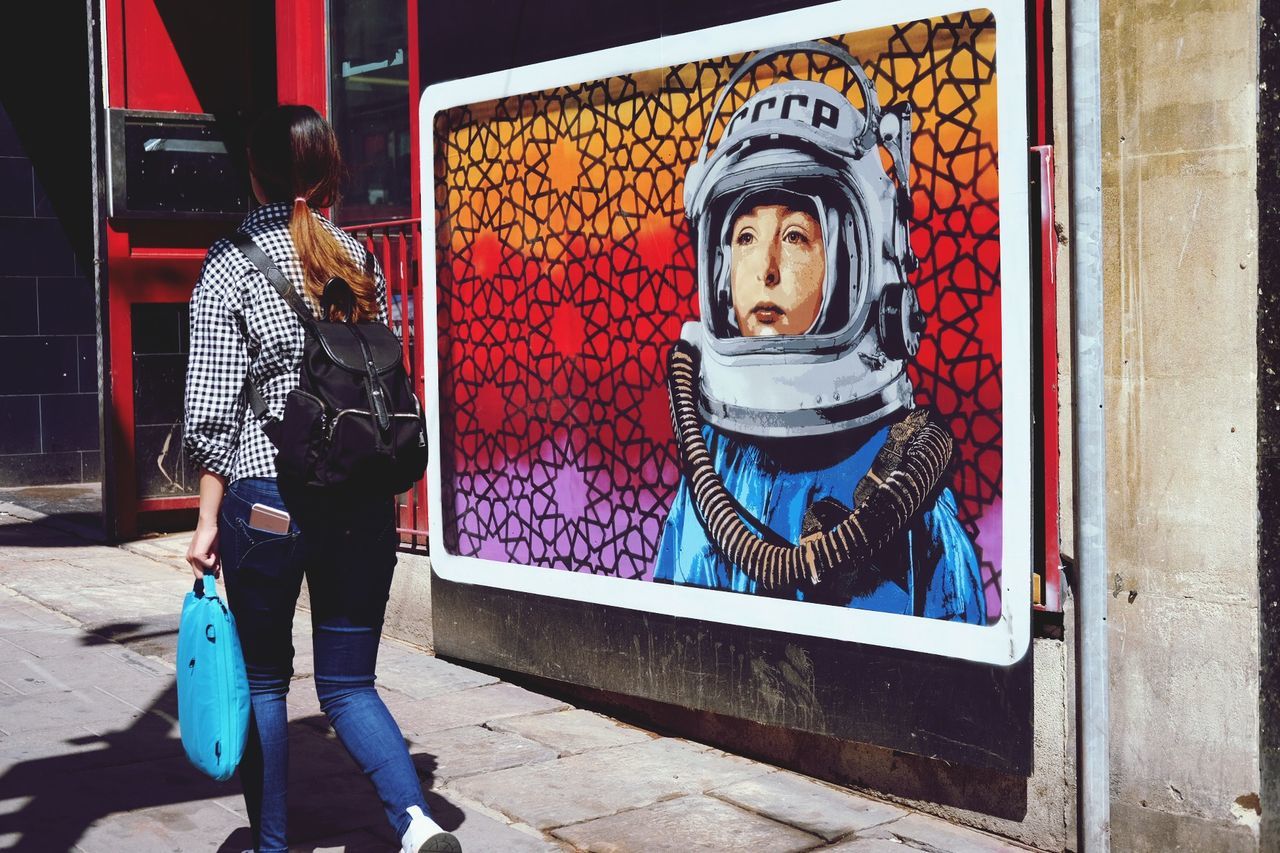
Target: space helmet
[(805, 143)]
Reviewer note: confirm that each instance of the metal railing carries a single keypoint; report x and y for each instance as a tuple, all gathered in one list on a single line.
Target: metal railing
[(397, 246)]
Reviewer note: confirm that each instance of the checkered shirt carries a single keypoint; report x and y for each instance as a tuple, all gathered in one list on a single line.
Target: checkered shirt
[(239, 325)]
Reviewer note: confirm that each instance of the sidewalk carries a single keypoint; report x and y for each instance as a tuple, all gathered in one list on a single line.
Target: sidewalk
[(90, 758)]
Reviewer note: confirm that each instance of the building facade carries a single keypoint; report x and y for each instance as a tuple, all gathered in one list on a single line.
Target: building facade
[(1191, 116)]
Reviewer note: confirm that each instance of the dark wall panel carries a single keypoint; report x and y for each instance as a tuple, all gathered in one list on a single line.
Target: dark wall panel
[(46, 247), (1269, 417)]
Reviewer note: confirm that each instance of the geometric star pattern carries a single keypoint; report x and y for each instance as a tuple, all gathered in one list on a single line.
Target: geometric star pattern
[(565, 271)]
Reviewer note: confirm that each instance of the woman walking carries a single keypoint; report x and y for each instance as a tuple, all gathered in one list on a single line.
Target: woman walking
[(345, 546)]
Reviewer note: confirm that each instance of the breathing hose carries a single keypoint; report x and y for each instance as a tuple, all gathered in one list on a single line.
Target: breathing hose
[(905, 472)]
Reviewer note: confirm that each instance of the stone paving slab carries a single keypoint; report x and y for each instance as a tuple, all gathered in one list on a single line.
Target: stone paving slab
[(322, 805), (48, 643), (62, 802), (812, 806), (693, 824), (422, 676), (17, 615), (161, 548), (352, 841), (595, 784), (479, 832), (65, 708), (870, 845), (59, 568), (23, 746), (478, 705), (108, 604), (32, 755), (469, 750), (938, 836), (189, 827), (574, 731), (154, 639), (95, 668)]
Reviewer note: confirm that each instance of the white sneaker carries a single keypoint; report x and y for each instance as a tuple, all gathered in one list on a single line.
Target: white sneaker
[(424, 835)]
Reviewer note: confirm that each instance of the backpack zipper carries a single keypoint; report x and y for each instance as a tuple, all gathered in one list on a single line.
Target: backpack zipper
[(333, 424)]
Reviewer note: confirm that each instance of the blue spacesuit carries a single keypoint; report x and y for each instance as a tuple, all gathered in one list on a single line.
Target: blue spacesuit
[(927, 570)]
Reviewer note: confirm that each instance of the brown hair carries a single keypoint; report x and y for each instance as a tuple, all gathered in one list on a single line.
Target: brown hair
[(293, 154)]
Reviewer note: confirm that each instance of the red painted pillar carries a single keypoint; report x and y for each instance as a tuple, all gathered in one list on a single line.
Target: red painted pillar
[(301, 66)]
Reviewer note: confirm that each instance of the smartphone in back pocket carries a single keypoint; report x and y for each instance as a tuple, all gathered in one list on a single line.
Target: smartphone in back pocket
[(268, 519)]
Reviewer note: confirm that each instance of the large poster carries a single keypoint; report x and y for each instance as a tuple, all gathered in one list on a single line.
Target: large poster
[(733, 325)]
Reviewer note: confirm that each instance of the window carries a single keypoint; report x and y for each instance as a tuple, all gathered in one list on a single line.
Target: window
[(369, 107)]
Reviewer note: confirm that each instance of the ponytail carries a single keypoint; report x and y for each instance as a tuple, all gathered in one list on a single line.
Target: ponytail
[(323, 258), (293, 153)]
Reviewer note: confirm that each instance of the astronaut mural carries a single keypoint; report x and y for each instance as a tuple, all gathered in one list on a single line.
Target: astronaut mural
[(808, 469), (733, 338)]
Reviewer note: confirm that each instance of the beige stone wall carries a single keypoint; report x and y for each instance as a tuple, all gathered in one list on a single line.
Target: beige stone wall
[(1179, 178)]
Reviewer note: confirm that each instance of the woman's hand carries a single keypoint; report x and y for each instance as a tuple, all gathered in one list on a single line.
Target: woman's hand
[(202, 553)]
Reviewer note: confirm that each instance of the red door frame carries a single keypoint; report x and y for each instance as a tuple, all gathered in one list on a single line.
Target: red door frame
[(159, 262), (151, 262)]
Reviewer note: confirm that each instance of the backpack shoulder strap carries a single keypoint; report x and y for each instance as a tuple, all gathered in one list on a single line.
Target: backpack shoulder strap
[(259, 259), (257, 405)]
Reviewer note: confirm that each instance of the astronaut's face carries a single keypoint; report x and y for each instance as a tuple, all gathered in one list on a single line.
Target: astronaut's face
[(777, 264)]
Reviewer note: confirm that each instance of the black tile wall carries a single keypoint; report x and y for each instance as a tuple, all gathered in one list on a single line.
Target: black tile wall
[(69, 422), (48, 353), (88, 349), (18, 306), (35, 247), (43, 468), (38, 365), (91, 467), (16, 187), (66, 306), (20, 424), (9, 144), (43, 204)]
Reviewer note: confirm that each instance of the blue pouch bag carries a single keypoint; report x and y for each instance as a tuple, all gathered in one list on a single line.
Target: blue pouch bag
[(213, 689)]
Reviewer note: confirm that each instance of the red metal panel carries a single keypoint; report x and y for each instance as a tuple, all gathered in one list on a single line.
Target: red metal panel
[(1052, 556), (167, 504), (301, 56), (120, 378), (415, 78), (1043, 97), (113, 28), (155, 76), (138, 275)]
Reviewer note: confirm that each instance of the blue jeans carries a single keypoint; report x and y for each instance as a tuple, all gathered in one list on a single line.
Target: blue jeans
[(347, 553)]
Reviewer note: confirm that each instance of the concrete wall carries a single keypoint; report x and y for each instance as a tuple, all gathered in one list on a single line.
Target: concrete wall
[(1179, 155)]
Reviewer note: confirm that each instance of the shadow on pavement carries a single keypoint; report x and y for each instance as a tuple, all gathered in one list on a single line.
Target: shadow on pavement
[(137, 787), (51, 532), (126, 634), (74, 509), (132, 768)]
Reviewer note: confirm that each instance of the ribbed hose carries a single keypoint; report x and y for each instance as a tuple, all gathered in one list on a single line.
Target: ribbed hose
[(892, 499)]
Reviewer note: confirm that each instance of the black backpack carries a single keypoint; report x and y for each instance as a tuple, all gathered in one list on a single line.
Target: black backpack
[(353, 423)]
